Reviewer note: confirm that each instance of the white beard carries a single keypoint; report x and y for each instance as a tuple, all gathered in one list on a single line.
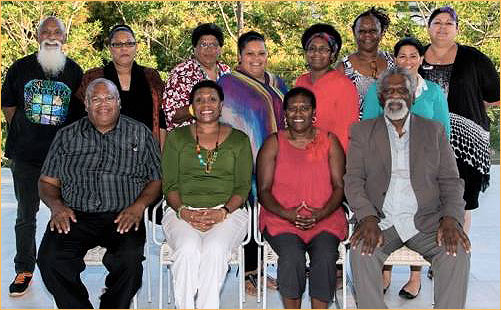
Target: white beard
[(393, 114), (51, 59)]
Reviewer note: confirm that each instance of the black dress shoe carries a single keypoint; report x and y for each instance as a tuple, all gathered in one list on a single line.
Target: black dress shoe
[(386, 288), (404, 294), (429, 274)]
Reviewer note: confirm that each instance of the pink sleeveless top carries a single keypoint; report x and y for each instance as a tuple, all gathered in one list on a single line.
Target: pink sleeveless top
[(303, 175)]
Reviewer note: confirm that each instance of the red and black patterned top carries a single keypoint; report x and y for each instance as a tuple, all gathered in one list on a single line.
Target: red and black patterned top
[(178, 87)]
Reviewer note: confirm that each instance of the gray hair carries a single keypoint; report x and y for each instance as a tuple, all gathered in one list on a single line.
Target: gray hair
[(109, 84), (410, 83), (61, 25)]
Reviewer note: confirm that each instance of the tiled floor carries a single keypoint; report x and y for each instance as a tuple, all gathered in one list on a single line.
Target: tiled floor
[(484, 289)]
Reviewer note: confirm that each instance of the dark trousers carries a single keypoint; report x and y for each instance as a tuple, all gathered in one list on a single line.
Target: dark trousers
[(25, 176), (323, 254), (60, 260)]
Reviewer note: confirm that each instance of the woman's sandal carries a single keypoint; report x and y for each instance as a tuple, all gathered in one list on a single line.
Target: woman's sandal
[(251, 284)]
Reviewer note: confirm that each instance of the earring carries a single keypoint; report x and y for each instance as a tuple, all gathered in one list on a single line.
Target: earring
[(286, 125), (314, 119), (190, 110)]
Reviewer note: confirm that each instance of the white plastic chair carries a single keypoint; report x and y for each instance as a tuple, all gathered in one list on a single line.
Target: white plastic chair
[(271, 258), (149, 224), (94, 257), (165, 259)]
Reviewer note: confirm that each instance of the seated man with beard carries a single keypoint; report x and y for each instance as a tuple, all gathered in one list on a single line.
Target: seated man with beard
[(37, 100), (403, 185)]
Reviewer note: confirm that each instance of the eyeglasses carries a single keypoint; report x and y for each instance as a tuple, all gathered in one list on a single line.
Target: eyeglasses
[(95, 101), (206, 45), (123, 44), (320, 50)]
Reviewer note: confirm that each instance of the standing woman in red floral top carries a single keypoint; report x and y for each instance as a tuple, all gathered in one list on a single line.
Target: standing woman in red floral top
[(207, 40)]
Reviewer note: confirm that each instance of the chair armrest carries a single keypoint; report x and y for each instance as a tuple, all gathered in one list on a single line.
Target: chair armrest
[(249, 223), (154, 220)]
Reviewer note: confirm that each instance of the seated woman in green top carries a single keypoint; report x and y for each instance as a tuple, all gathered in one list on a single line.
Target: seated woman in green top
[(206, 179), (430, 100), (430, 103)]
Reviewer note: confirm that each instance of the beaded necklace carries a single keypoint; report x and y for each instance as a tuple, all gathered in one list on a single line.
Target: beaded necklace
[(211, 154)]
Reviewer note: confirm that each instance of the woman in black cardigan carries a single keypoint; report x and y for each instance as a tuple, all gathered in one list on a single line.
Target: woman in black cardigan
[(471, 84)]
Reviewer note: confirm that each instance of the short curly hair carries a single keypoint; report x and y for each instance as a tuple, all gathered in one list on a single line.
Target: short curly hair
[(207, 29)]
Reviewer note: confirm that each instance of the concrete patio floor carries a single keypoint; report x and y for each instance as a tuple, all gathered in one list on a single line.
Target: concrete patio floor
[(484, 288)]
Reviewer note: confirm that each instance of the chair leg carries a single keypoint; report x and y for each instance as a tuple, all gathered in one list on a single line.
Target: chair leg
[(432, 292), (148, 269), (241, 295), (170, 287), (344, 279), (265, 277), (160, 283), (259, 267)]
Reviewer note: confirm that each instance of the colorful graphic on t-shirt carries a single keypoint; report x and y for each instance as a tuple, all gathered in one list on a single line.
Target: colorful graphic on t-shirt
[(46, 102)]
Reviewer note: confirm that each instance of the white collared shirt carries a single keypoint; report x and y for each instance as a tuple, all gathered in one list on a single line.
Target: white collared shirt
[(400, 204), (421, 86)]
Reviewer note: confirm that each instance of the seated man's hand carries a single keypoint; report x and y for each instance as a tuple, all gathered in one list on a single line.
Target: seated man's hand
[(60, 219), (369, 233), (130, 216), (449, 234)]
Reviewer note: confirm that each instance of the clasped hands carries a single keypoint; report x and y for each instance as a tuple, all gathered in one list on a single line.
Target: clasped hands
[(203, 219), (126, 219), (303, 216), (368, 235)]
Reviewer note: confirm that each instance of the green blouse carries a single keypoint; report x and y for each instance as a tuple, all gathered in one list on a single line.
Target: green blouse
[(230, 174)]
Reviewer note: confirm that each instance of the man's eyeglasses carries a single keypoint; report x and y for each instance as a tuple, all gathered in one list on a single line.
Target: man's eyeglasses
[(96, 101), (123, 44)]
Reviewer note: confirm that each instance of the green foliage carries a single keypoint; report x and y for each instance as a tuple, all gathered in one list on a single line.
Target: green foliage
[(163, 29)]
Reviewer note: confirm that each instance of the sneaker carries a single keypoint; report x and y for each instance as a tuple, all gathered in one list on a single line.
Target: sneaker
[(20, 284)]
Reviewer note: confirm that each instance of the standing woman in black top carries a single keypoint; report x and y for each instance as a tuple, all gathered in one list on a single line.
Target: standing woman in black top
[(140, 88), (471, 84)]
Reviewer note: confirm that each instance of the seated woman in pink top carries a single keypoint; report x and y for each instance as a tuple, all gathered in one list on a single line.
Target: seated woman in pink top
[(337, 97), (300, 185)]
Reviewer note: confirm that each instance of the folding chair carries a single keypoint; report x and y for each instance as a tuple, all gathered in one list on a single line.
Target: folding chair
[(271, 258), (165, 259), (94, 257)]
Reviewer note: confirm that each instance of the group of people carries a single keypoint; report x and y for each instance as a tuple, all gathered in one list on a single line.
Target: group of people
[(99, 148)]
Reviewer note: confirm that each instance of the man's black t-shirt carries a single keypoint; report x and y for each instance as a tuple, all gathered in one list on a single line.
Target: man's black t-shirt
[(43, 105)]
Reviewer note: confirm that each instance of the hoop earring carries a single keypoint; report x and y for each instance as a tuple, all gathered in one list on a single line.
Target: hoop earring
[(314, 119), (286, 125), (190, 110)]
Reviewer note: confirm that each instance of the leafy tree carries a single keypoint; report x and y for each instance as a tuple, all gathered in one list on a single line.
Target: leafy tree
[(163, 29)]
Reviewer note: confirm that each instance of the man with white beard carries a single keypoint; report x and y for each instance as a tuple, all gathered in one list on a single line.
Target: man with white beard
[(403, 186), (37, 100)]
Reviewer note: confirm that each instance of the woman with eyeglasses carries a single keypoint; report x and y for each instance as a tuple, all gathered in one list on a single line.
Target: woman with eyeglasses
[(207, 41), (365, 65), (140, 87), (337, 98)]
